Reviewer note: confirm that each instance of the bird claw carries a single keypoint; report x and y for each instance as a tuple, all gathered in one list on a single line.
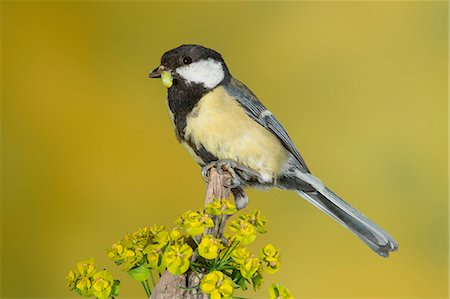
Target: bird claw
[(229, 166), (206, 169)]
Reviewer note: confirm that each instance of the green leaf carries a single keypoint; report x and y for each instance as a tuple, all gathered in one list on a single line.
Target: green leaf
[(140, 273)]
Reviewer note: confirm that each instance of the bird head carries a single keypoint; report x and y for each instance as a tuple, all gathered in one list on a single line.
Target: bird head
[(192, 65)]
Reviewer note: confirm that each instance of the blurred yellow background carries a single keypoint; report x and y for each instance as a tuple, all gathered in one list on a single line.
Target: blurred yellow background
[(89, 152)]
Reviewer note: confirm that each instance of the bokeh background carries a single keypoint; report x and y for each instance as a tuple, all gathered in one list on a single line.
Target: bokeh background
[(89, 154)]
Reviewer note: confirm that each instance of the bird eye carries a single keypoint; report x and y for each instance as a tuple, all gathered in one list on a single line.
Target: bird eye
[(187, 60)]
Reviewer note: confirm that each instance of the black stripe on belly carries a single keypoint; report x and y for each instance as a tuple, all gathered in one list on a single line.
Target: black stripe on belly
[(182, 98)]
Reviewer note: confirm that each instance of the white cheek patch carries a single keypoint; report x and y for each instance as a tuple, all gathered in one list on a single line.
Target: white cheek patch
[(207, 72)]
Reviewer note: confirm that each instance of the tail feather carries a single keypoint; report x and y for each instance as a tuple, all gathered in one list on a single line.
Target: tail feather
[(373, 235)]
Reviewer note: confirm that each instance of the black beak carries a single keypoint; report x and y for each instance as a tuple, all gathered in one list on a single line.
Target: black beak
[(156, 73)]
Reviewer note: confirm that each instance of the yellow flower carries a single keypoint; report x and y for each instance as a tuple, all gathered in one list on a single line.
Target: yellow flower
[(195, 222), (83, 287), (87, 282), (102, 284), (137, 240), (176, 258), (245, 231), (228, 208), (249, 267), (86, 268), (153, 252), (220, 207), (116, 252), (271, 256), (161, 238), (256, 219), (155, 229), (131, 258), (216, 286), (174, 235), (213, 208), (72, 278), (209, 247), (277, 291), (240, 255)]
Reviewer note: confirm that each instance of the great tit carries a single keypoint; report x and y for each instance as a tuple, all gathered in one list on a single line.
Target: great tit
[(219, 120)]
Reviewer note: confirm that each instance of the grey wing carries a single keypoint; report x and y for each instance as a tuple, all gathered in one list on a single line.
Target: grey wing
[(256, 110)]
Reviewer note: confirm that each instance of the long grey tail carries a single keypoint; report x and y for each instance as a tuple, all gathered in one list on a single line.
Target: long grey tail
[(373, 235)]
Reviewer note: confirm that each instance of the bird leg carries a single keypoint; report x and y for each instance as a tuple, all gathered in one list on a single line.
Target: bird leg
[(231, 167)]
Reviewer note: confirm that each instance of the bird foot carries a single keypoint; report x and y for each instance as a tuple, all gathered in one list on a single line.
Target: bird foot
[(230, 167)]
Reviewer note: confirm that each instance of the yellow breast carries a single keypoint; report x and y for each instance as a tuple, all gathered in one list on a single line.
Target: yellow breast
[(223, 128)]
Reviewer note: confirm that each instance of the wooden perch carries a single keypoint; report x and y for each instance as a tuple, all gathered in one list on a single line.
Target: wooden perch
[(171, 286)]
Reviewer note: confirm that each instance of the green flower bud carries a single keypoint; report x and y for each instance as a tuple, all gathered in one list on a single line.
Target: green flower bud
[(277, 291), (257, 280)]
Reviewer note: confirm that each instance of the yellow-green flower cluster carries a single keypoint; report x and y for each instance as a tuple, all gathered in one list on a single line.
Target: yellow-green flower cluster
[(246, 267), (271, 257), (228, 264), (86, 281), (257, 220), (194, 223), (277, 291), (220, 207), (176, 258), (209, 247), (128, 251), (244, 231), (216, 285), (151, 248), (249, 267), (246, 227)]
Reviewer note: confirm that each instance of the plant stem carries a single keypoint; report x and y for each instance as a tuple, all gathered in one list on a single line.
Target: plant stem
[(225, 258), (219, 226), (195, 240), (145, 288), (153, 280), (148, 287)]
